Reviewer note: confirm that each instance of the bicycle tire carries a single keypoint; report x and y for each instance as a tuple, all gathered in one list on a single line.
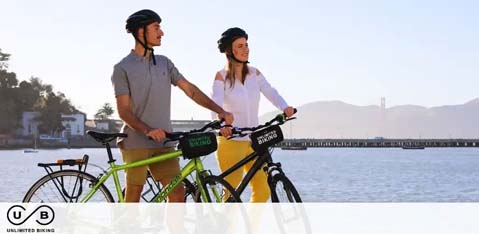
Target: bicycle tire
[(288, 188), (290, 217), (47, 188), (210, 183)]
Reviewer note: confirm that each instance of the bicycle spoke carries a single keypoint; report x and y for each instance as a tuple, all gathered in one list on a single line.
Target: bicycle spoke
[(65, 186)]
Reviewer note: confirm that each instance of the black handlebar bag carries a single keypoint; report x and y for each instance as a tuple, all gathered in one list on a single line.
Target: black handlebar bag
[(263, 139), (198, 144)]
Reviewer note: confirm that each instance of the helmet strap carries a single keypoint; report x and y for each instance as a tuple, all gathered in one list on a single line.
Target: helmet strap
[(145, 45)]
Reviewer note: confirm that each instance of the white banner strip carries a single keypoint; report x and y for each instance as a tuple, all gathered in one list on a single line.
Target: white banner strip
[(324, 218)]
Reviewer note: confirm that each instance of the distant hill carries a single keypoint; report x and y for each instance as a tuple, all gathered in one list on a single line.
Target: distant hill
[(336, 119)]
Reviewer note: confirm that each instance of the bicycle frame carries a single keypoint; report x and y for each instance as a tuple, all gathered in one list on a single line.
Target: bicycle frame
[(194, 164), (261, 159), (113, 171)]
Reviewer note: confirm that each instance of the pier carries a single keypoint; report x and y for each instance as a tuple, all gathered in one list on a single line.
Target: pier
[(379, 143)]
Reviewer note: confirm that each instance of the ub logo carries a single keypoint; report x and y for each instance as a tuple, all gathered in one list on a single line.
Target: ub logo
[(18, 215)]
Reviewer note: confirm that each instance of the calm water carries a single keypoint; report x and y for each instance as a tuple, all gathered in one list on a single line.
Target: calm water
[(320, 175)]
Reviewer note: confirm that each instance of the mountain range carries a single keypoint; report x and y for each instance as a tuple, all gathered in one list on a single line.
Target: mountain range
[(336, 119)]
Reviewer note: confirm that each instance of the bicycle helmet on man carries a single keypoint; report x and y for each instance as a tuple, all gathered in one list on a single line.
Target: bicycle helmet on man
[(141, 19)]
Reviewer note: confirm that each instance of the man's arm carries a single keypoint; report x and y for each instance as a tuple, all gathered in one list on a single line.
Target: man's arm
[(199, 97), (123, 103)]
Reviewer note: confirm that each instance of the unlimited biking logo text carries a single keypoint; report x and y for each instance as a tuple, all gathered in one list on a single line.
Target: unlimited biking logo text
[(26, 220)]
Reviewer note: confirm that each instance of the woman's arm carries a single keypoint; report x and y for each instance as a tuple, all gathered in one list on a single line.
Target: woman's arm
[(273, 95), (200, 98)]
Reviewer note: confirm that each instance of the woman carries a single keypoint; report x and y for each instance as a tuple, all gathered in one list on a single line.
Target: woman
[(237, 89)]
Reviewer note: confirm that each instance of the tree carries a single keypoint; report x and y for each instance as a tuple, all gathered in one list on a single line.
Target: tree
[(9, 120), (105, 112), (30, 96), (8, 79), (3, 60), (50, 115), (9, 113), (43, 89)]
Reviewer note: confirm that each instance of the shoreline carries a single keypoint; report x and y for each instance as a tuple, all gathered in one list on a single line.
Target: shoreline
[(24, 147)]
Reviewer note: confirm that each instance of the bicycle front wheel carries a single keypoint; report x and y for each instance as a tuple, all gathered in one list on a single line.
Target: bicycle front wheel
[(283, 190), (68, 186), (218, 190)]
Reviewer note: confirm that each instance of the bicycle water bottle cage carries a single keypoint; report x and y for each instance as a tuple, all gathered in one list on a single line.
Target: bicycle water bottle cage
[(263, 139), (198, 144)]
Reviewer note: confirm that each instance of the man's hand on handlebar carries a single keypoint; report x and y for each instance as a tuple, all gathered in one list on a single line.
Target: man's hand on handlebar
[(157, 134), (227, 117)]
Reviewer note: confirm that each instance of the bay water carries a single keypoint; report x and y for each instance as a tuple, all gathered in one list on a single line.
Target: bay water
[(319, 174)]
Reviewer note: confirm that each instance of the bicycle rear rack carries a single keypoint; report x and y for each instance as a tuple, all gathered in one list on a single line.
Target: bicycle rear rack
[(59, 183), (82, 164)]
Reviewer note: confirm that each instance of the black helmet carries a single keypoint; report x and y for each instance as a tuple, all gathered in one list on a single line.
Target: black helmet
[(229, 36), (141, 19)]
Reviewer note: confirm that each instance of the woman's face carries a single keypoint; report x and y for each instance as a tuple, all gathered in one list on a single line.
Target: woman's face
[(240, 49)]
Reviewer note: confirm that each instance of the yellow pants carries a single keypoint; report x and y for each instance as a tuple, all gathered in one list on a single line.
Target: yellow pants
[(229, 153)]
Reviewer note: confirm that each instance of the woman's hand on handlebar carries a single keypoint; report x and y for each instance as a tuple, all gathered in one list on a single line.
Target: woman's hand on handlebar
[(289, 111), (157, 134), (226, 131)]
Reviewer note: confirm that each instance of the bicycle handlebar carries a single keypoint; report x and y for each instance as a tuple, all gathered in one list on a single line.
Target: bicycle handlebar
[(280, 119), (174, 136)]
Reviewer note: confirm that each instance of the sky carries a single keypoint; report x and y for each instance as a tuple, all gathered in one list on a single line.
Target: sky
[(410, 52)]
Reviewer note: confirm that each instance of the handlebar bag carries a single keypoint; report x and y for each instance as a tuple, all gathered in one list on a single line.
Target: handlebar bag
[(198, 144), (263, 139)]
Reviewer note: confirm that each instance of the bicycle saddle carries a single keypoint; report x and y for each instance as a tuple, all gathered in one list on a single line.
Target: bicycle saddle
[(105, 137)]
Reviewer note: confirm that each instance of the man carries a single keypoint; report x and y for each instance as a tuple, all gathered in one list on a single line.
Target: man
[(142, 83)]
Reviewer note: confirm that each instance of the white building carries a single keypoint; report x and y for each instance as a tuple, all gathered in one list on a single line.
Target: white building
[(30, 126), (74, 125)]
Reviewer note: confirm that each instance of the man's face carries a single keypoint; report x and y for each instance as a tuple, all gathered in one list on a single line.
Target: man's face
[(153, 34)]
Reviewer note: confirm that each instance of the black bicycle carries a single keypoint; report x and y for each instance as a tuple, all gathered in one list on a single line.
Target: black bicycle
[(263, 138)]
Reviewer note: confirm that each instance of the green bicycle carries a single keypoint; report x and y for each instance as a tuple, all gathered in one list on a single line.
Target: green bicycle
[(79, 186)]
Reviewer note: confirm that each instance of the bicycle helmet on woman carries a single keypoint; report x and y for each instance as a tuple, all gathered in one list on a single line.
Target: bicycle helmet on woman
[(225, 43)]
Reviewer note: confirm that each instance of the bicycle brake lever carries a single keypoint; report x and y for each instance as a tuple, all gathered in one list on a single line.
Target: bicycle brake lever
[(216, 124)]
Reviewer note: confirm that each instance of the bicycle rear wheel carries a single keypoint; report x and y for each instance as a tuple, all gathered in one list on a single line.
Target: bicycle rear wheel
[(218, 190), (283, 190), (67, 186)]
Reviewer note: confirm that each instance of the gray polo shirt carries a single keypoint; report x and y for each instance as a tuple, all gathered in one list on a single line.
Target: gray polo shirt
[(149, 87)]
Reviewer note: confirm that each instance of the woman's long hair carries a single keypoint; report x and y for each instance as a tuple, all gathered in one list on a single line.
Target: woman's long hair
[(230, 73)]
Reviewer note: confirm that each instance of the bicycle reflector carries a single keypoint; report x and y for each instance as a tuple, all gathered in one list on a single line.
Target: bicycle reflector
[(268, 137), (198, 144)]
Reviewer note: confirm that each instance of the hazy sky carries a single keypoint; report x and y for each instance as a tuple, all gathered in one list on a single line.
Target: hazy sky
[(411, 52)]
